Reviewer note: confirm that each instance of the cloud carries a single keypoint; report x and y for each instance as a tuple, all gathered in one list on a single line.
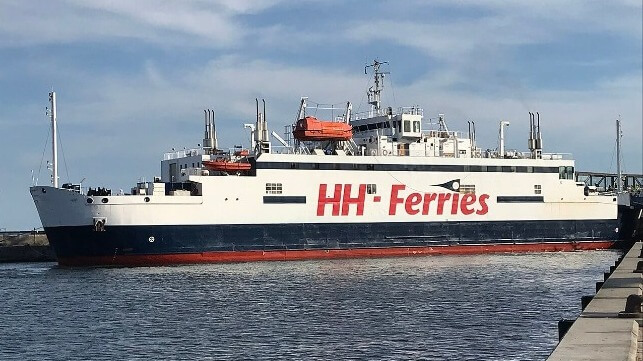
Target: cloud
[(497, 25), (210, 24), (133, 77)]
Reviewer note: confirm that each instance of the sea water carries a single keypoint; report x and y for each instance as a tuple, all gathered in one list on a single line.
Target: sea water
[(481, 307)]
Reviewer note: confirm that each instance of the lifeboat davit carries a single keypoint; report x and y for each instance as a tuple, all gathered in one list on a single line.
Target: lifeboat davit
[(311, 128), (226, 165)]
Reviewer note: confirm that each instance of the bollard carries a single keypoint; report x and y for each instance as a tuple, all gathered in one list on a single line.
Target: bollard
[(563, 326), (633, 307), (584, 301), (639, 268)]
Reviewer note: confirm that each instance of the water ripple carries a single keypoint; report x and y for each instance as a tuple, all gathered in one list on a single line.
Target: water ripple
[(486, 307)]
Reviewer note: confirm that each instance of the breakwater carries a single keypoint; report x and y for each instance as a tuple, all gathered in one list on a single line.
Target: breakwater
[(25, 246), (611, 324)]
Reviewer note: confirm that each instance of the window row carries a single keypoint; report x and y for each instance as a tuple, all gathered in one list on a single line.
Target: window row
[(194, 165), (409, 126), (408, 167), (566, 172), (273, 188)]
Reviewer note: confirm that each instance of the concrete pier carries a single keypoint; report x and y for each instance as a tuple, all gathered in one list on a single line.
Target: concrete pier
[(604, 331), (25, 246)]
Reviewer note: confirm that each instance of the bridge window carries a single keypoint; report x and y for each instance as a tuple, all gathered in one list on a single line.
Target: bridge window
[(416, 126), (570, 172), (538, 189), (407, 125), (371, 189), (565, 172)]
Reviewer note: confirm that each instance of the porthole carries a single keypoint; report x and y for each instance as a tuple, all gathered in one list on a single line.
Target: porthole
[(90, 200), (146, 199), (104, 200), (43, 190)]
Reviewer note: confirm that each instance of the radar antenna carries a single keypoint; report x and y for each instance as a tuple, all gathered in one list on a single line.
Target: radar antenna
[(374, 92)]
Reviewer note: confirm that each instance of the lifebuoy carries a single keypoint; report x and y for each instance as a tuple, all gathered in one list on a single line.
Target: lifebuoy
[(373, 152), (385, 152)]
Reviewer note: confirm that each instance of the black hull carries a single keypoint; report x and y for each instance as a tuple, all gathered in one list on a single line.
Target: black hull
[(118, 241)]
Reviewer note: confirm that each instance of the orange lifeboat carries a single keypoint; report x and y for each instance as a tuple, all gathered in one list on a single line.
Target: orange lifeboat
[(226, 165), (311, 128)]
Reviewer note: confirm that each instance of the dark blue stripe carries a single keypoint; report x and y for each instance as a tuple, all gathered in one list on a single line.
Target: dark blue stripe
[(405, 167), (520, 199), (284, 199), (116, 240)]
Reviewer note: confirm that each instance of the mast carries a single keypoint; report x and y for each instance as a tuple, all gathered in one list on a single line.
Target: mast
[(374, 94), (619, 176), (54, 139)]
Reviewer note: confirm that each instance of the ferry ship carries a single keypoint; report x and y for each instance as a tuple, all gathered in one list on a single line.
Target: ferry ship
[(382, 183)]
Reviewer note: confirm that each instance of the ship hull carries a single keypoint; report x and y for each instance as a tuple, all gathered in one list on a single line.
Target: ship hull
[(176, 244)]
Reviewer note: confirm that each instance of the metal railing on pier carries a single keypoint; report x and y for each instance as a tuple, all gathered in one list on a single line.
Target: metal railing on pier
[(607, 181)]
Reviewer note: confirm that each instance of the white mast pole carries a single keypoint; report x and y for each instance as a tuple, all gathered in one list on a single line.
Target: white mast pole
[(54, 138), (619, 184)]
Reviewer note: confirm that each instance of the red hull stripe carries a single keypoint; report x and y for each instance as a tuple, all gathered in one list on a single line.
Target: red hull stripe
[(292, 255)]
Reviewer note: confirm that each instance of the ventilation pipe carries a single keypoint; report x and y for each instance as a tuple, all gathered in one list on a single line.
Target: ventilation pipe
[(213, 126), (262, 140), (473, 127), (501, 148), (264, 128), (531, 143), (539, 137), (210, 136), (259, 123)]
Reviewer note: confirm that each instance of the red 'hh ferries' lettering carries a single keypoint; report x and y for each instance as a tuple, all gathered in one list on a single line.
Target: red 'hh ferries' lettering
[(347, 200), (341, 199), (334, 200), (465, 204), (344, 196)]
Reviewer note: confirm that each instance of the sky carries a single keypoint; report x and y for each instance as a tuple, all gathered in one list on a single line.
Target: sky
[(132, 77)]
